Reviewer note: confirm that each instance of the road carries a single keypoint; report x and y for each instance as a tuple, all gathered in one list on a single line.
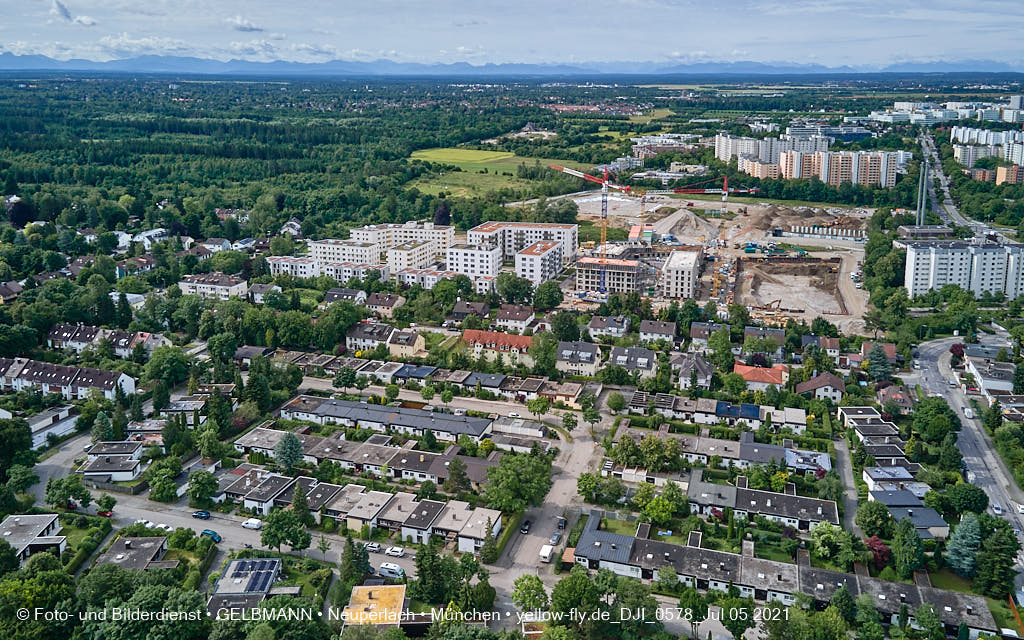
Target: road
[(947, 210), (980, 457)]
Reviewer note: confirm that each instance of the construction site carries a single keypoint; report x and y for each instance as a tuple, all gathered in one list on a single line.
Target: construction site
[(780, 261)]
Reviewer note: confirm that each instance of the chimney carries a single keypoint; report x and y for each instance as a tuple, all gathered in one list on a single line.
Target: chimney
[(127, 543), (970, 610)]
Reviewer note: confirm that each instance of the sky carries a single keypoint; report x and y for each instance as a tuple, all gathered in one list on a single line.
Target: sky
[(829, 32)]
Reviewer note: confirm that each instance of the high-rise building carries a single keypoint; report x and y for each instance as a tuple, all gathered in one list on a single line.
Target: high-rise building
[(974, 267), (540, 262), (391, 235), (871, 168), (474, 260), (513, 237), (1011, 175), (679, 274)]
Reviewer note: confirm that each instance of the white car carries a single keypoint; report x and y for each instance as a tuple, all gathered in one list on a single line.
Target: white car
[(145, 523), (996, 509), (395, 552), (372, 547), (513, 414), (1020, 508), (165, 527), (253, 523)]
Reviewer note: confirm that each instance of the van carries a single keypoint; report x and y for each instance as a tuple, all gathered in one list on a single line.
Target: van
[(391, 570), (253, 523), (547, 552)]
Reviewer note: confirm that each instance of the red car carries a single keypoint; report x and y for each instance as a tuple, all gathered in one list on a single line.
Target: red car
[(105, 514)]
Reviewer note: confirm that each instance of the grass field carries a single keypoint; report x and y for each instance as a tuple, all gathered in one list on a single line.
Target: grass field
[(481, 171), (654, 114)]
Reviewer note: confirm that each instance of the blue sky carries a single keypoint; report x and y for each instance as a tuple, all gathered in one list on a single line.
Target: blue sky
[(830, 32)]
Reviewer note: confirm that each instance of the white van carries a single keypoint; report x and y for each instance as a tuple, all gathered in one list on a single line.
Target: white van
[(253, 523), (391, 570), (547, 552)]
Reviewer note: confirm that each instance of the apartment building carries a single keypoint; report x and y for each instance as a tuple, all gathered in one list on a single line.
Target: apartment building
[(474, 260), (766, 150), (513, 349), (418, 254), (679, 274), (754, 167), (620, 276), (391, 235), (998, 268), (872, 168), (1011, 175), (213, 285), (294, 266), (333, 250), (540, 262), (513, 237)]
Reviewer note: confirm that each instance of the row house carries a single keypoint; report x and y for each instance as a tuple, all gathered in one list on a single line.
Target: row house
[(78, 337), (74, 383)]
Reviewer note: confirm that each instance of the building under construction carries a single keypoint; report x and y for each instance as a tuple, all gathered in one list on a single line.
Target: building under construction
[(620, 275)]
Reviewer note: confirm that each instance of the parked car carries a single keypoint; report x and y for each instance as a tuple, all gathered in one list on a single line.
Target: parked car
[(211, 534), (201, 515), (390, 570), (145, 523), (165, 527), (524, 528), (556, 537), (561, 524), (395, 552), (1020, 508), (253, 523), (105, 514), (513, 414), (996, 509), (372, 547)]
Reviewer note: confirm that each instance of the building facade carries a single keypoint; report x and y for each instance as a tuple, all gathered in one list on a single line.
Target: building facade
[(474, 260), (513, 237), (540, 262), (679, 274)]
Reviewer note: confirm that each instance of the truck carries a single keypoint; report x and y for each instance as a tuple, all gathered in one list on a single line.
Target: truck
[(547, 552)]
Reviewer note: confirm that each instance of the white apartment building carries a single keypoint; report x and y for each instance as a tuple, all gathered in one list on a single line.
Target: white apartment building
[(213, 285), (540, 262), (412, 255), (679, 274), (345, 271), (293, 266), (968, 154), (391, 235), (513, 237), (767, 150), (474, 260), (998, 268), (333, 250)]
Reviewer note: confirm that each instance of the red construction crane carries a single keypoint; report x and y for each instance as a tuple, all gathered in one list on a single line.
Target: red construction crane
[(724, 189), (605, 185)]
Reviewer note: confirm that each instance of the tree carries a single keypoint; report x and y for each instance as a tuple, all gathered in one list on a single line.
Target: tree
[(659, 510), (576, 592), (565, 327), (528, 593), (874, 518), (345, 378), (907, 549), (102, 428), (300, 506), (962, 548), (995, 561), (323, 546), (538, 406), (161, 396), (667, 579), (591, 416), (569, 421), (967, 497), (737, 616), (616, 402), (880, 553), (696, 606), (489, 548), (60, 491), (163, 489), (284, 527), (721, 350), (878, 367), (843, 602), (457, 480), (825, 539), (288, 451), (992, 418), (106, 502), (391, 391), (20, 477), (547, 296), (516, 481), (446, 396), (201, 487), (352, 568), (1018, 379), (427, 393)]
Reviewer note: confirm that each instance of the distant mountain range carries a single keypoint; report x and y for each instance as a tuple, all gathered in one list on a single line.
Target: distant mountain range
[(341, 68)]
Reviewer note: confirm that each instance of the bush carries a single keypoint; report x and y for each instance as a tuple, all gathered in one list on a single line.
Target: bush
[(329, 524), (78, 559)]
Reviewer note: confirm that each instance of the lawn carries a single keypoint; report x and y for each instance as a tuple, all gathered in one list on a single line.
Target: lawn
[(654, 114), (482, 171), (623, 527), (591, 232), (946, 579), (1001, 612)]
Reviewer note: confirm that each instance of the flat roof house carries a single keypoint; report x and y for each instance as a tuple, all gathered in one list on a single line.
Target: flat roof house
[(138, 553), (30, 534), (419, 525)]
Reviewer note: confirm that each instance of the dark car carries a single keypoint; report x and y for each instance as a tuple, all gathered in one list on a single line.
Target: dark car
[(211, 534), (524, 528), (201, 515), (561, 524)]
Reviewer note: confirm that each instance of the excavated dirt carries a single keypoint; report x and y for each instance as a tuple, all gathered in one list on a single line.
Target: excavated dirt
[(807, 283), (774, 216)]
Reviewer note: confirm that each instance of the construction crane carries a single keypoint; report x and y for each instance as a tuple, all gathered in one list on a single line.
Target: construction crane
[(725, 189), (605, 185)]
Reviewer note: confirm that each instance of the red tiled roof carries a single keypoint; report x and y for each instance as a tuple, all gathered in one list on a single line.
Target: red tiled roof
[(775, 375), (497, 340)]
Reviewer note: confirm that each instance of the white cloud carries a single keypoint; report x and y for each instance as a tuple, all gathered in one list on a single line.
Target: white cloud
[(125, 45), (238, 23)]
